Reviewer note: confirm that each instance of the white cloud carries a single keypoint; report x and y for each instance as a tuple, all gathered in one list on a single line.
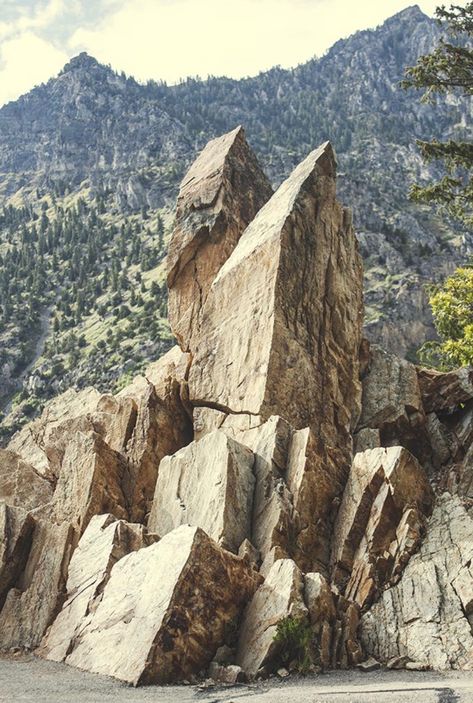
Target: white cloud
[(42, 17), (171, 39), (25, 61)]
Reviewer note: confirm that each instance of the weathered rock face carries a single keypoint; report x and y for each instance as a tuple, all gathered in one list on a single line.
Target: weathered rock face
[(392, 404), (209, 484), (426, 615), (219, 196), (20, 484), (281, 596), (445, 392), (152, 624), (104, 542), (379, 523), (282, 337)]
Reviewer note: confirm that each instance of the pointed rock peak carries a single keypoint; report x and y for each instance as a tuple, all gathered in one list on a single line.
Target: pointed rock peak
[(221, 193), (80, 62), (211, 162), (270, 219), (413, 12)]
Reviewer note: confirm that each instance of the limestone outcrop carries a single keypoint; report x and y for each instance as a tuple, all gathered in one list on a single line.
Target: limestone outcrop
[(271, 492)]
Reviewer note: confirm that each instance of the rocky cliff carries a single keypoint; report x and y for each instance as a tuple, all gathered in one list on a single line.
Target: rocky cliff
[(272, 492)]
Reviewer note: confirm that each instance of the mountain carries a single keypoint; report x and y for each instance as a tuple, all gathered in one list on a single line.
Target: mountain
[(95, 146)]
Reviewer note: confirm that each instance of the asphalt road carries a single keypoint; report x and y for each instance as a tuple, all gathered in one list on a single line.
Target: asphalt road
[(31, 680)]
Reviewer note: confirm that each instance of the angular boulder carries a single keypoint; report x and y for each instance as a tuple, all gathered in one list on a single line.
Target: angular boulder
[(280, 596), (219, 196), (445, 392), (105, 541), (165, 610), (91, 482), (425, 617), (367, 544), (208, 484)]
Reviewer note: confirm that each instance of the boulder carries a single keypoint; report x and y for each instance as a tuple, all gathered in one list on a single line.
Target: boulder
[(279, 597), (219, 196), (424, 617), (31, 441), (445, 392), (208, 484), (392, 403), (91, 482), (104, 542), (161, 428), (371, 537), (165, 610), (20, 484), (283, 316), (37, 593)]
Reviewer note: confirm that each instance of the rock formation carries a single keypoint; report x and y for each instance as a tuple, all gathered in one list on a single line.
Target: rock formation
[(273, 476)]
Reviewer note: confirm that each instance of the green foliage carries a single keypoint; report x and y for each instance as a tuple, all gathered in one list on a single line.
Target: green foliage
[(448, 69), (294, 639), (452, 309)]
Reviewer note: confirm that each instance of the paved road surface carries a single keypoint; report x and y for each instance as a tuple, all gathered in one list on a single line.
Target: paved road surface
[(30, 680)]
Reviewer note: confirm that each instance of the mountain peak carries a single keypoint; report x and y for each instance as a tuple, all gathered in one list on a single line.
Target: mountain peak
[(81, 61), (413, 12)]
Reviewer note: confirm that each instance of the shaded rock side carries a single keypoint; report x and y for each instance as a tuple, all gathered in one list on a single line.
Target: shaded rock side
[(104, 542), (208, 484), (445, 392), (38, 592), (164, 610), (379, 522), (427, 615), (392, 405), (16, 534), (219, 196), (283, 316)]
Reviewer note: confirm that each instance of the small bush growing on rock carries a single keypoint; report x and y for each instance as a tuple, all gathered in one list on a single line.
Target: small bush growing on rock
[(294, 637)]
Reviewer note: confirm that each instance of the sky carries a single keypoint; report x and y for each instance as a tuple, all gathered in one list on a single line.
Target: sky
[(173, 39)]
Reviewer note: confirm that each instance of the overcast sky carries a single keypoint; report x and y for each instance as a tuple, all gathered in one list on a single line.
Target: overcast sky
[(172, 39)]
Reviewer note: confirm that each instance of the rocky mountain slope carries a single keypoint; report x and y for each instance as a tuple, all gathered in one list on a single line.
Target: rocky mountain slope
[(123, 148), (274, 492)]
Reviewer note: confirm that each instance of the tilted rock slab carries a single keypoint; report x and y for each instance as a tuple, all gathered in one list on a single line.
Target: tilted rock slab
[(445, 392), (104, 542), (208, 484), (283, 317), (219, 196), (383, 484), (164, 610), (426, 615), (280, 596)]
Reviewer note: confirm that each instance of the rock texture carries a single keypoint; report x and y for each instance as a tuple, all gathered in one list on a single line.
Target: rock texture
[(210, 484), (104, 542), (386, 494), (426, 616), (162, 599), (172, 530), (219, 196)]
